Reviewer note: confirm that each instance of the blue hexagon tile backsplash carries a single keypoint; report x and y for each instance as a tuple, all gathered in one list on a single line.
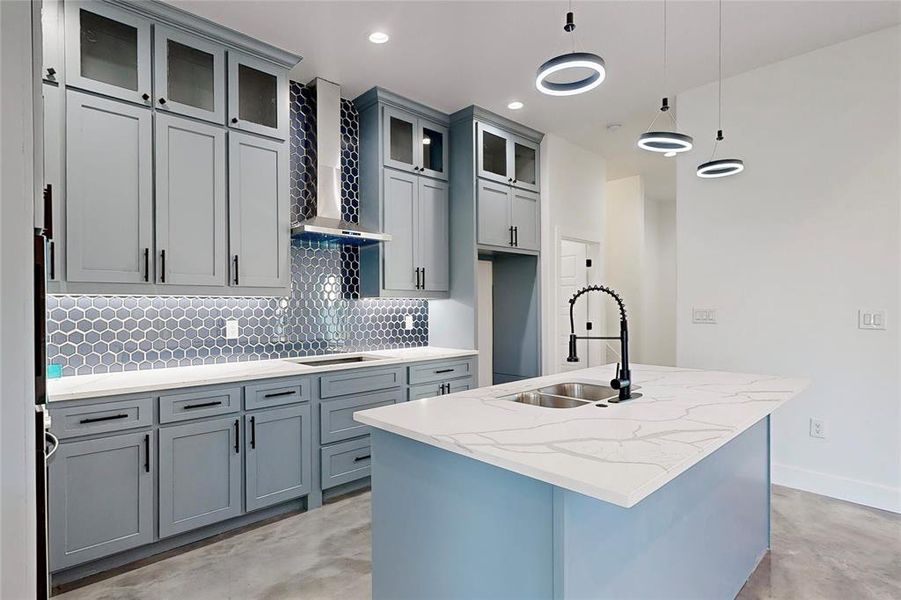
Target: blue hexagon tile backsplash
[(323, 314)]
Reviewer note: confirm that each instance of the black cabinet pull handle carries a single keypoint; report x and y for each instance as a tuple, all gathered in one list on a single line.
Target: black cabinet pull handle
[(51, 71), (444, 371), (253, 433), (278, 394), (146, 452), (366, 457), (237, 436), (163, 266), (145, 97), (146, 264), (52, 245), (107, 418), (511, 235), (162, 100), (423, 278), (48, 211), (236, 269), (202, 405), (234, 119), (516, 236), (417, 278)]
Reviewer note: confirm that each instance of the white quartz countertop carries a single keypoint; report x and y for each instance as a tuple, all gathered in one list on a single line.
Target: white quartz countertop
[(130, 382), (619, 454)]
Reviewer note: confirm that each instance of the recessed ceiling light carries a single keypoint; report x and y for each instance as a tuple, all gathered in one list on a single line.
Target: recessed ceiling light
[(378, 37), (515, 105)]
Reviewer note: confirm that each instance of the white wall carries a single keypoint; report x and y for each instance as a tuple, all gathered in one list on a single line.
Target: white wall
[(788, 251), (658, 341), (17, 493), (572, 206)]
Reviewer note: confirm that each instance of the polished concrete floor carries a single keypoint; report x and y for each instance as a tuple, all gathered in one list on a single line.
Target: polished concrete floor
[(821, 549)]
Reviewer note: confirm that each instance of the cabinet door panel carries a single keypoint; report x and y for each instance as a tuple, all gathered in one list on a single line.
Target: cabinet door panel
[(433, 141), (190, 202), (401, 190), (109, 190), (401, 147), (200, 474), (53, 170), (101, 498), (108, 51), (525, 218), (525, 164), (434, 235), (52, 37), (259, 228), (494, 214), (257, 96), (493, 154), (189, 75), (278, 456)]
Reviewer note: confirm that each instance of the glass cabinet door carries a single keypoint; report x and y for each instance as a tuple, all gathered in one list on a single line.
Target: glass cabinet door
[(525, 164), (433, 149), (402, 148), (257, 96), (108, 51), (189, 75), (493, 154)]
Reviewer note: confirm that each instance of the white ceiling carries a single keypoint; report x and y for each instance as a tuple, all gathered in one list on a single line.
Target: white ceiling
[(450, 54)]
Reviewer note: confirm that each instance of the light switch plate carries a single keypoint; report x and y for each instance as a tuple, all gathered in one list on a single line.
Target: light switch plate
[(231, 329), (703, 316), (817, 428), (408, 322), (871, 319)]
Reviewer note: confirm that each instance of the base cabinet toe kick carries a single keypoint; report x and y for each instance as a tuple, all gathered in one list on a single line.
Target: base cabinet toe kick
[(144, 473)]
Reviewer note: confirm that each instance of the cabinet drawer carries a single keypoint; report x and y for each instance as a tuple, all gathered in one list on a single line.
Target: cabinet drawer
[(72, 421), (345, 462), (276, 393), (430, 390), (440, 371), (362, 380), (195, 405), (336, 417)]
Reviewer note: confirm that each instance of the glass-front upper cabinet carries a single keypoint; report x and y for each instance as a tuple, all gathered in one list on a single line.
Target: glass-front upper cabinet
[(257, 96), (108, 51), (433, 149), (493, 154), (414, 144), (51, 39), (525, 164), (189, 75)]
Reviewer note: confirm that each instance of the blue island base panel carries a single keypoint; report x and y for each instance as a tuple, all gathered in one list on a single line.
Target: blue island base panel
[(447, 526)]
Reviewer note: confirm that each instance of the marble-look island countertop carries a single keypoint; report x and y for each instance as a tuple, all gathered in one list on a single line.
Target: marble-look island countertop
[(619, 454), (130, 382)]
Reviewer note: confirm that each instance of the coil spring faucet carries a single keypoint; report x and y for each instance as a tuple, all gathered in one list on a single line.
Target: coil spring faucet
[(623, 379)]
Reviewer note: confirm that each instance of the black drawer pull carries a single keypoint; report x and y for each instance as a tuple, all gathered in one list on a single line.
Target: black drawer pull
[(99, 419), (237, 436), (279, 394), (359, 458), (253, 433), (202, 405), (147, 452), (444, 371)]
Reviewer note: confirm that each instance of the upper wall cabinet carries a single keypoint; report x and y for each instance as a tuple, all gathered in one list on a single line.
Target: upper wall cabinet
[(257, 96), (52, 37), (188, 75), (414, 144), (108, 51), (507, 158)]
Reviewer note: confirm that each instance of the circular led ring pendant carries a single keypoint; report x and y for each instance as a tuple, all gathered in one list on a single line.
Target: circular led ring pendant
[(574, 60), (665, 141), (721, 168)]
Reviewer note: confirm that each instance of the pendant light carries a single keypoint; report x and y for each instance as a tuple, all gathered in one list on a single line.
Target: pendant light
[(669, 143), (723, 167), (572, 60)]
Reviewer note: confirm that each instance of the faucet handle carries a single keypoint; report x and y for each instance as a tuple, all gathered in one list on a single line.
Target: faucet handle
[(617, 370)]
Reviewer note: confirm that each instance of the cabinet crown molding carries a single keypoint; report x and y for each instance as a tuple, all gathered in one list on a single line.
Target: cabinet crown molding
[(483, 115), (379, 95)]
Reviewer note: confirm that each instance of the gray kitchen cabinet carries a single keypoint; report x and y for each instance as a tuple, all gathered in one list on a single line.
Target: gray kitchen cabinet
[(345, 462), (191, 210), (100, 497), (257, 96), (109, 190), (440, 388), (433, 227), (525, 218), (505, 157), (414, 144), (508, 217), (108, 51), (188, 74), (277, 455), (54, 181), (259, 219), (400, 214), (525, 164), (199, 474), (52, 37)]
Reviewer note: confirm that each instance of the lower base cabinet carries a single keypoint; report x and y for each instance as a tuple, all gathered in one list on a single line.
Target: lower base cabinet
[(345, 462), (278, 464), (200, 474), (100, 497)]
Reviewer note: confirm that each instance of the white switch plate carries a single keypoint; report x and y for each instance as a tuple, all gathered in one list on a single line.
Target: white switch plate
[(231, 329), (408, 322), (817, 428), (871, 319), (703, 316)]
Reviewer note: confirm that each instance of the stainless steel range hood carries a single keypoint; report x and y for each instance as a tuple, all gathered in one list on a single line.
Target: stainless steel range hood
[(328, 224)]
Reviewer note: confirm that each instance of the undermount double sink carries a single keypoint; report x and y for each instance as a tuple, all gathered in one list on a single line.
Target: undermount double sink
[(566, 395)]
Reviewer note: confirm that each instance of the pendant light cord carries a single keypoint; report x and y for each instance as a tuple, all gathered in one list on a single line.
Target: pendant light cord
[(719, 93)]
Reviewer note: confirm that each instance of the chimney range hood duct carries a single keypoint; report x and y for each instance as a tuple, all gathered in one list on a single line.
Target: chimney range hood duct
[(328, 224)]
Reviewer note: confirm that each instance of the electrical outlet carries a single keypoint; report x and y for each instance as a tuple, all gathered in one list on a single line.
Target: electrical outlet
[(871, 319), (408, 322), (231, 329), (703, 316), (817, 428)]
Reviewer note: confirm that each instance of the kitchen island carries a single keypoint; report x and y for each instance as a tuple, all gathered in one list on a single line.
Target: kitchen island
[(476, 495)]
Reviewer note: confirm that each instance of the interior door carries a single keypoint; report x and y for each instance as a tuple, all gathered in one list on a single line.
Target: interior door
[(188, 75), (257, 96), (108, 51), (493, 154), (402, 149), (494, 214), (572, 276), (109, 190), (524, 216), (402, 222), (434, 235), (190, 202)]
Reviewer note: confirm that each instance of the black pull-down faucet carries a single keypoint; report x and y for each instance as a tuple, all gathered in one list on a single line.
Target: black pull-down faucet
[(623, 379)]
